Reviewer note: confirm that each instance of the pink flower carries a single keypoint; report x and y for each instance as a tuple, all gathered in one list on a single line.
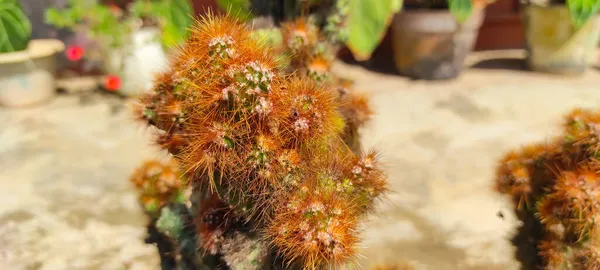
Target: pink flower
[(112, 83), (74, 53)]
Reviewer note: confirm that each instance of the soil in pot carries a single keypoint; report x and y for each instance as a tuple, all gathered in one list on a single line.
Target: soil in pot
[(555, 45), (430, 44)]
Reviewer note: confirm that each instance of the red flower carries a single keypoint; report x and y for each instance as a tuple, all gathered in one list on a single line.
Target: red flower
[(116, 10), (112, 83), (74, 53)]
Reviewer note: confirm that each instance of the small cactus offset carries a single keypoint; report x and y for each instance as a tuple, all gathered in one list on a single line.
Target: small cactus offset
[(274, 186), (15, 27), (158, 183), (555, 189)]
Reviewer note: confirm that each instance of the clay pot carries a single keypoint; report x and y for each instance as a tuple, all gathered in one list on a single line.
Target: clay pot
[(555, 45), (430, 44)]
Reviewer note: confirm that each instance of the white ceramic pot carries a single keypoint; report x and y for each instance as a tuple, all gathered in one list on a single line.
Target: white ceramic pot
[(138, 62), (27, 77)]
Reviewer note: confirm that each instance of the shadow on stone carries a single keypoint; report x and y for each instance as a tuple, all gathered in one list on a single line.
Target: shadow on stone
[(525, 240), (502, 64), (432, 247)]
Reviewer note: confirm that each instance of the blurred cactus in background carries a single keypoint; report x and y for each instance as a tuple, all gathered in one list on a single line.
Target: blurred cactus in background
[(158, 183), (273, 184), (555, 189)]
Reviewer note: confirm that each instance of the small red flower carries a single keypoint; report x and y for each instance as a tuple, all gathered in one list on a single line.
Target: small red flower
[(112, 83), (116, 10), (74, 53)]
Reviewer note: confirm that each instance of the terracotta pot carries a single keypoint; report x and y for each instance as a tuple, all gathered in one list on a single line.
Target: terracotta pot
[(554, 45), (431, 44)]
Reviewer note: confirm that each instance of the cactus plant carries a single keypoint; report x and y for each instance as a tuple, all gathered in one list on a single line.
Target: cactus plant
[(273, 183), (312, 53), (15, 27), (555, 190)]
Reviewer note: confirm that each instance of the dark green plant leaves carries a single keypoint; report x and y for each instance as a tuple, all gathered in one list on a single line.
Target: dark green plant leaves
[(582, 10), (15, 27), (460, 9), (367, 23), (177, 15), (237, 8)]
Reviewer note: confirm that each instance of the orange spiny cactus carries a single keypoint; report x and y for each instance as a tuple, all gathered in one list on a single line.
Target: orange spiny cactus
[(213, 220), (307, 111), (248, 137), (555, 189), (315, 228), (158, 183), (299, 35), (573, 203)]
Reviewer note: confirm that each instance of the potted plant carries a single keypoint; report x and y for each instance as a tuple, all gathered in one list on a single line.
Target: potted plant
[(561, 35), (26, 67), (358, 24), (131, 42), (431, 39)]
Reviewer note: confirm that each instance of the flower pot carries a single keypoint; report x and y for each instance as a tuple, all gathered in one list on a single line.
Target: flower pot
[(27, 77), (138, 62), (431, 44), (554, 45)]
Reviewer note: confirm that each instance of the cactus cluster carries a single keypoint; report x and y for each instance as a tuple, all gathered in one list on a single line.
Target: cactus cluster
[(312, 52), (555, 189), (158, 183), (274, 184)]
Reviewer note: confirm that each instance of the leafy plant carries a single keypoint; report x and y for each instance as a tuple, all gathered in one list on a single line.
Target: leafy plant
[(236, 8), (15, 27), (111, 25), (361, 24), (367, 24), (460, 9), (173, 16), (582, 10), (100, 22)]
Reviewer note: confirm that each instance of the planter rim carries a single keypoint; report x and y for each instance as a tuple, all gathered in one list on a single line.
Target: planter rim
[(424, 11), (436, 12), (37, 48)]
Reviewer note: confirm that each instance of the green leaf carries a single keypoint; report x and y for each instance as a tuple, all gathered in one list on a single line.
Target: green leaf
[(178, 21), (239, 9), (582, 10), (15, 27), (367, 24), (272, 37), (460, 9)]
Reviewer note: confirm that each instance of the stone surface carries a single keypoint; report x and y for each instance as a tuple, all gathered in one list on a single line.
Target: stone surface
[(65, 202)]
